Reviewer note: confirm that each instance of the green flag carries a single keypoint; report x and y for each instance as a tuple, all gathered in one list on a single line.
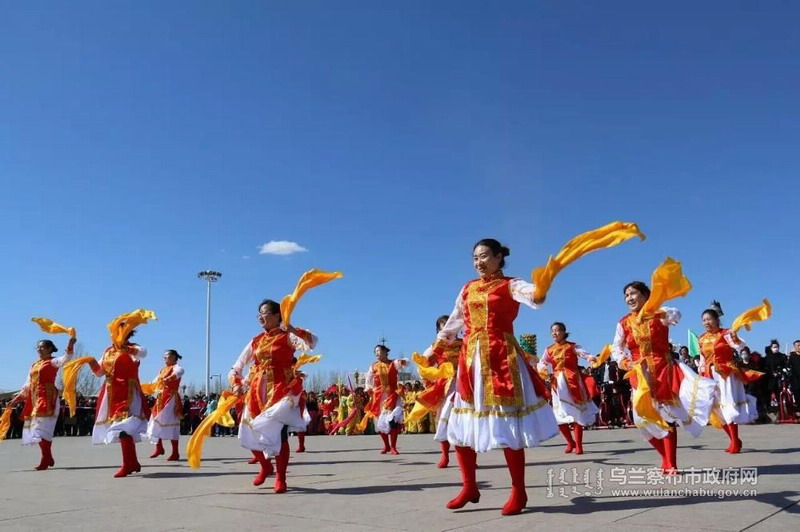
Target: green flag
[(693, 345)]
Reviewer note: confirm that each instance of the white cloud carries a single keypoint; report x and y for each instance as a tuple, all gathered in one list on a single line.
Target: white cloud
[(280, 247)]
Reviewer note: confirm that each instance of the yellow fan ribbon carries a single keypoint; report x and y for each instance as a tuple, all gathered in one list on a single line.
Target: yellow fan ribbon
[(305, 358), (609, 235), (149, 388), (5, 422), (746, 318), (444, 371), (194, 449), (420, 360), (307, 281), (71, 370), (121, 326), (668, 282), (51, 327), (602, 357), (643, 399)]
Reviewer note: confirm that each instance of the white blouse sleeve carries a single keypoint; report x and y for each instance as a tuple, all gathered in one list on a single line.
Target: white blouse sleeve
[(734, 341), (522, 292), (241, 363), (671, 316), (618, 348), (299, 343), (177, 372), (60, 361), (582, 353), (545, 364), (399, 363), (139, 352), (701, 366), (369, 380), (455, 322)]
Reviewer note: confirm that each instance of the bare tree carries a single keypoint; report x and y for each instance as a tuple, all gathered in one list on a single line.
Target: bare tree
[(87, 385)]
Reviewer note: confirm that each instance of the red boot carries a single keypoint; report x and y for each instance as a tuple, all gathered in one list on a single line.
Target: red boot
[(301, 442), (736, 443), (266, 468), (159, 449), (385, 438), (254, 459), (47, 456), (393, 435), (671, 452), (445, 460), (578, 438), (282, 462), (564, 428), (467, 460), (658, 445), (130, 463), (174, 456), (515, 459)]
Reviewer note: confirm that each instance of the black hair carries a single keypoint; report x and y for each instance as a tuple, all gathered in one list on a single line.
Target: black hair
[(711, 312), (495, 247), (382, 347), (639, 287), (272, 306), (796, 341), (441, 319), (50, 344), (561, 326), (173, 352), (775, 341)]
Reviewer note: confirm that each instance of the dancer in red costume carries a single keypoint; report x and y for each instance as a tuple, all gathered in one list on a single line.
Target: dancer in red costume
[(732, 404), (438, 396), (122, 410), (386, 405), (42, 404), (500, 401), (570, 398), (165, 419), (271, 406), (666, 392)]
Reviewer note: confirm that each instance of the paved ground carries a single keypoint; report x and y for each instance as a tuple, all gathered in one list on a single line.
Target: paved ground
[(342, 482)]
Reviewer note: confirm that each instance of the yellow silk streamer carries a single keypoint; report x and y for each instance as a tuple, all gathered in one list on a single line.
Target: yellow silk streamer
[(305, 358), (5, 422), (643, 399), (715, 420), (602, 357), (121, 326), (419, 412), (71, 370), (365, 421), (668, 282), (307, 281), (604, 237), (51, 327), (444, 371), (746, 318), (194, 449), (420, 360), (149, 388)]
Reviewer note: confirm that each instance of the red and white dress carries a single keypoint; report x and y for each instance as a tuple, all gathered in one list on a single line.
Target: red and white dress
[(167, 412), (386, 405), (121, 405), (500, 401), (679, 394), (570, 398), (42, 403), (273, 398), (731, 402)]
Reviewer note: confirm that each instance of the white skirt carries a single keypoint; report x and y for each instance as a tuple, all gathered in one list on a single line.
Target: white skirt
[(443, 413), (263, 433), (484, 428), (166, 425), (396, 415), (135, 425), (567, 410), (40, 428), (692, 411), (731, 402)]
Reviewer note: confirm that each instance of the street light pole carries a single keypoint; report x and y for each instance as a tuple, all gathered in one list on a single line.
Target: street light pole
[(209, 276)]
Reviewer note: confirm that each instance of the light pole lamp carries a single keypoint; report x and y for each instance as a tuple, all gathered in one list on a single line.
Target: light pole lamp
[(209, 276)]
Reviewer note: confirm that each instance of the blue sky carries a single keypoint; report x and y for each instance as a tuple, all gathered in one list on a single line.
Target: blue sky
[(143, 142)]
